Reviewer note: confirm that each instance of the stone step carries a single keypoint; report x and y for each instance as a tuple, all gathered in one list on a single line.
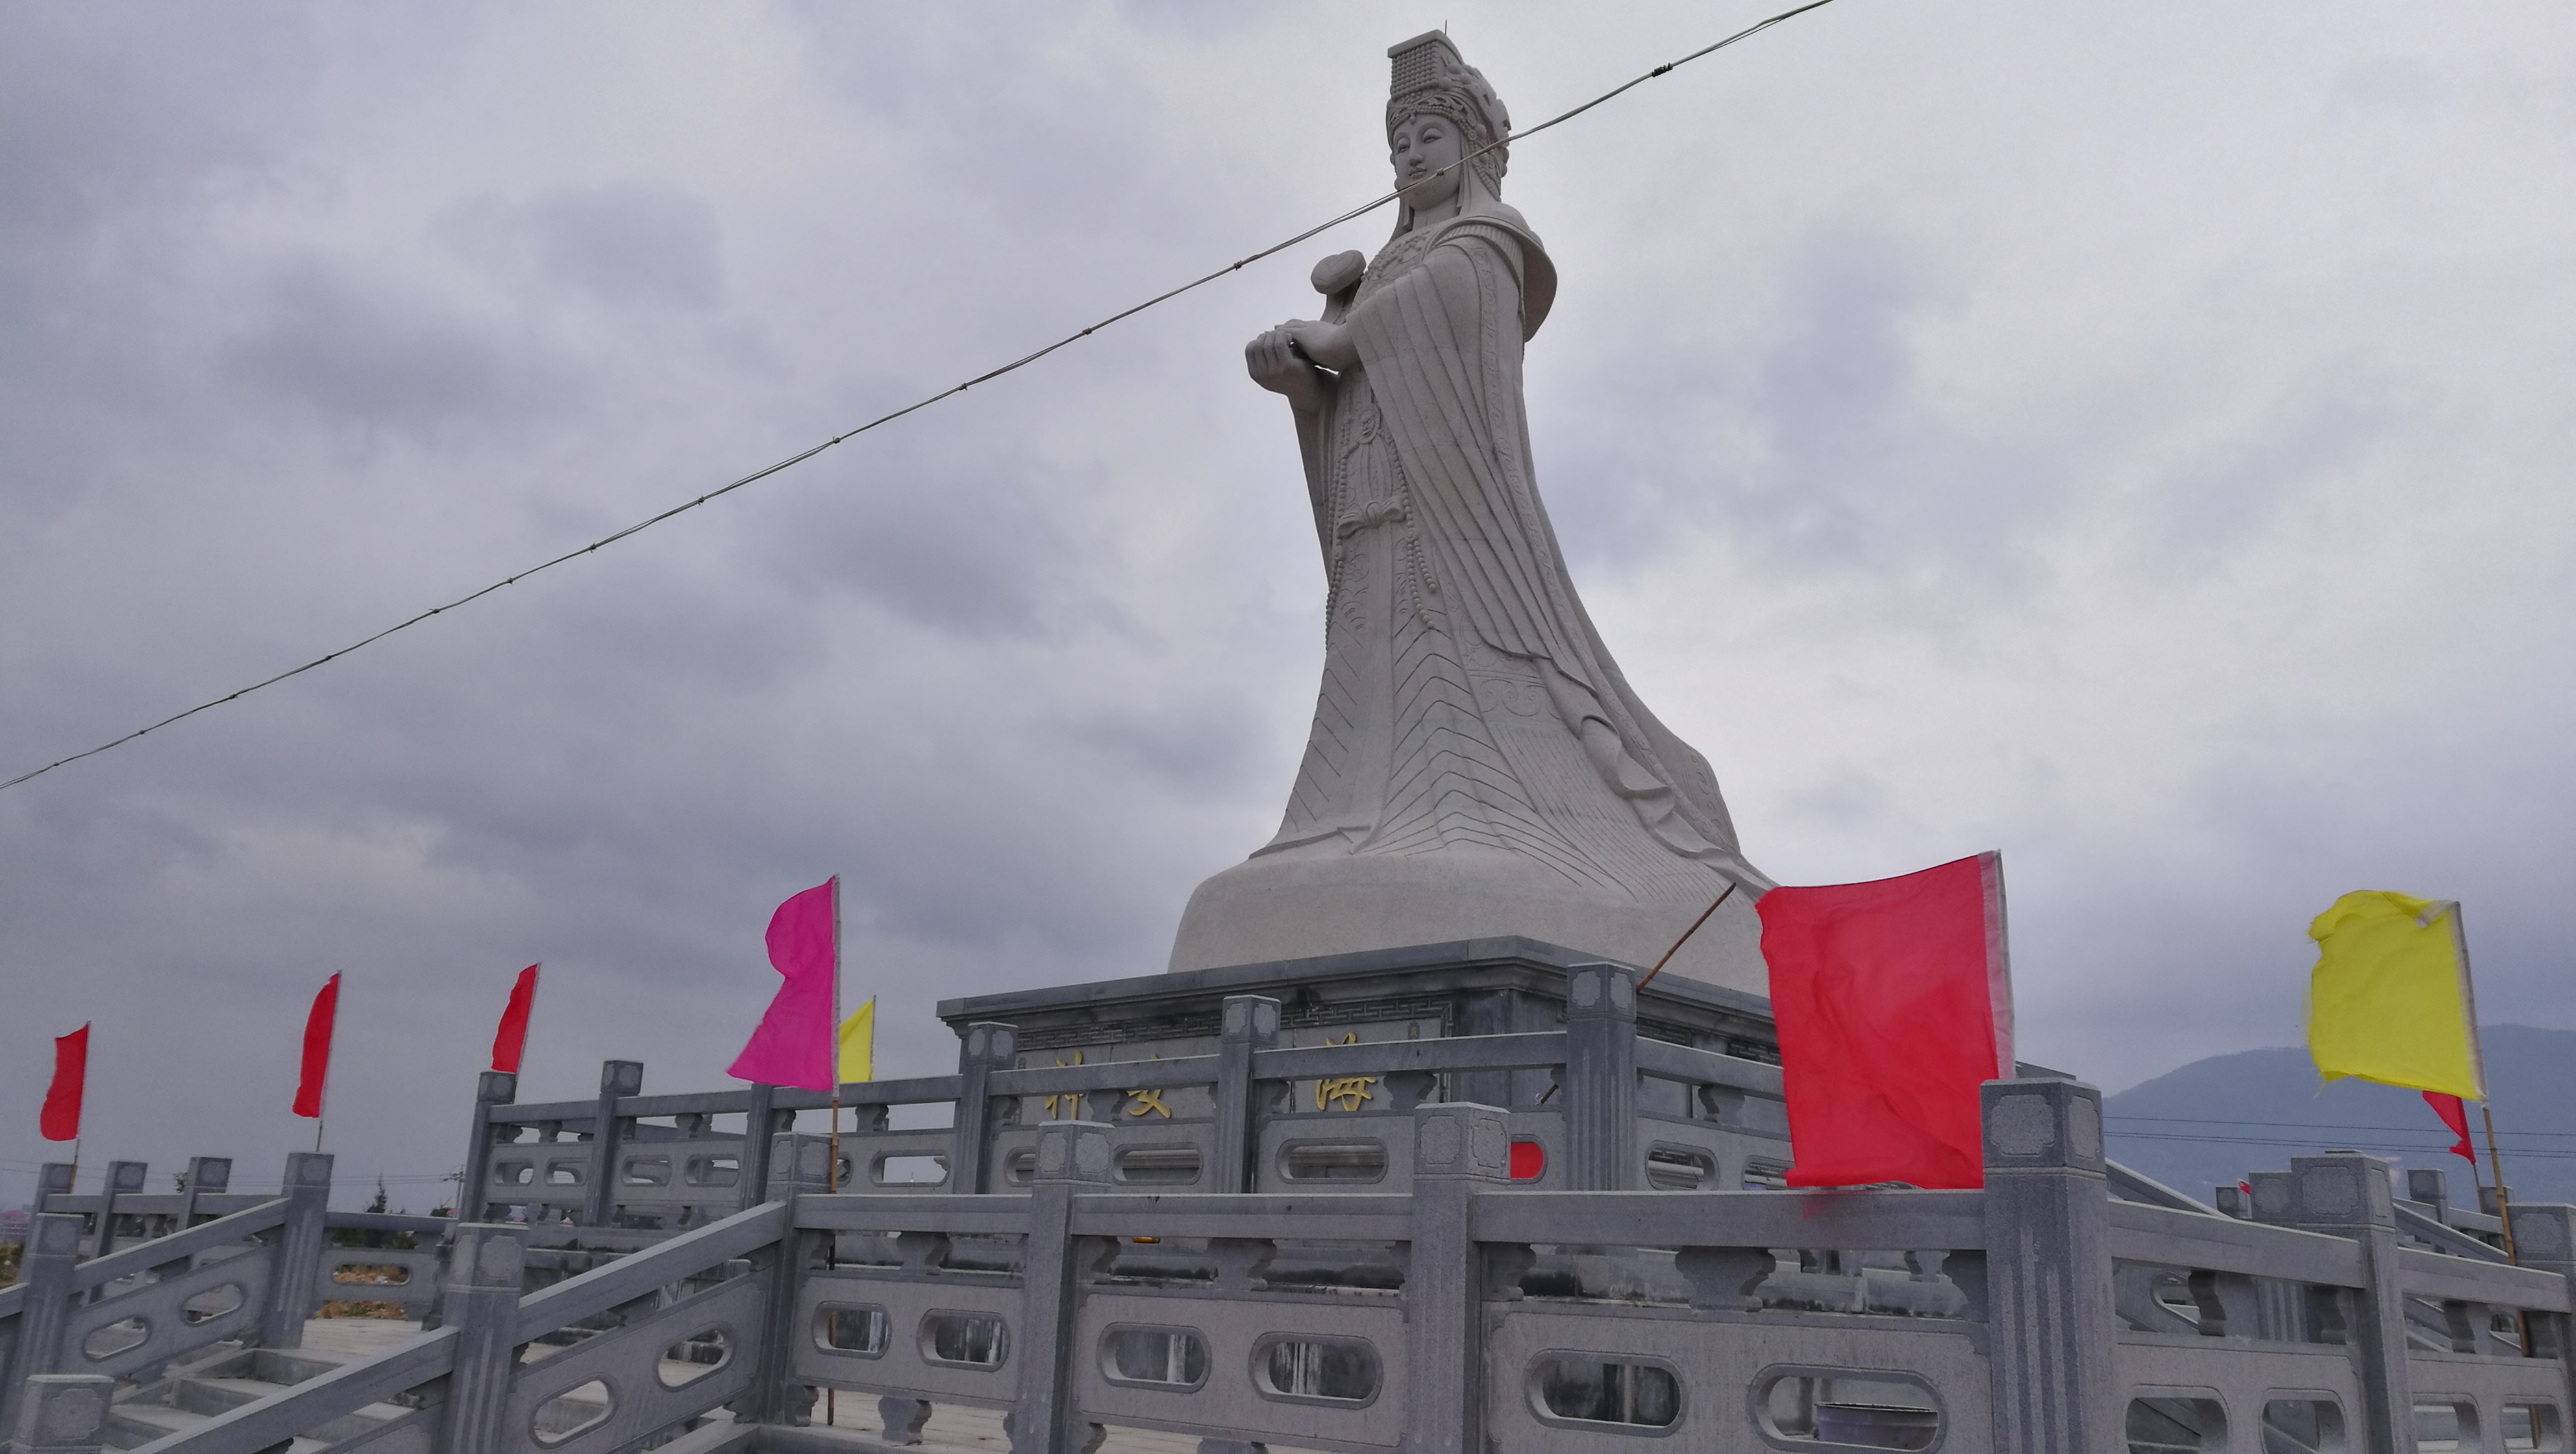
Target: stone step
[(208, 1397), (132, 1425), (211, 1382)]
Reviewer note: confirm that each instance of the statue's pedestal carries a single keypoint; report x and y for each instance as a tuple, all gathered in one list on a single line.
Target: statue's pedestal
[(1285, 907), (1423, 991), (1554, 1040)]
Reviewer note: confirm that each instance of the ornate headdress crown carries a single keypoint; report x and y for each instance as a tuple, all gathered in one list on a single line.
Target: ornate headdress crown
[(1430, 75)]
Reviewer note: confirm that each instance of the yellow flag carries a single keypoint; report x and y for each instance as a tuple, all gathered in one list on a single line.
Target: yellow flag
[(858, 1042), (2389, 999)]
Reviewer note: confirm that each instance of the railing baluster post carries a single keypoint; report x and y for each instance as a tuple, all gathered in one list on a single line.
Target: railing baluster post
[(2350, 1196), (208, 1176), (1072, 1158), (124, 1178), (616, 1078), (1459, 1150), (988, 1047), (1251, 1023), (2544, 1236), (298, 1250), (45, 1269), (799, 1166), (2051, 1325), (1601, 1078), (53, 1179), (473, 1185), (63, 1413), (759, 1116), (480, 1300)]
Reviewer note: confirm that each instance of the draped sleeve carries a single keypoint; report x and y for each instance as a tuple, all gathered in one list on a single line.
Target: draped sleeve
[(1440, 344)]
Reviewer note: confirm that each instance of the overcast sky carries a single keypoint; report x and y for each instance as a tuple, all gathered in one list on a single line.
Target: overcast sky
[(2132, 438)]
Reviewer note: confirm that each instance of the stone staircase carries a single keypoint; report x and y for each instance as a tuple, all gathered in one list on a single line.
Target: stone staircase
[(225, 1377)]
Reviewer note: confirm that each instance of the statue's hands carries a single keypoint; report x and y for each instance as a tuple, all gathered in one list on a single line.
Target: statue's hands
[(1275, 364), (1328, 344)]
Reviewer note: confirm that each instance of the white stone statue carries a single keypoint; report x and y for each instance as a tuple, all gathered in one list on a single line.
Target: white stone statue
[(1478, 766)]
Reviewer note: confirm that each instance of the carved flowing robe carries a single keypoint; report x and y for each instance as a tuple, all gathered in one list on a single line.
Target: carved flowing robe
[(1477, 766)]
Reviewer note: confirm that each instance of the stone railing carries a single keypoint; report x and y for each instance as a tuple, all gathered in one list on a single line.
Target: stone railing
[(1458, 1314), (185, 1271), (1621, 1112)]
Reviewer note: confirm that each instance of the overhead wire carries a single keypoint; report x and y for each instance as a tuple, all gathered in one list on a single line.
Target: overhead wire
[(916, 406), (2313, 1126)]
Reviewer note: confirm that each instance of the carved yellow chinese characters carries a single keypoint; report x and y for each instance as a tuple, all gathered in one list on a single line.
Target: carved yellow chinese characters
[(1348, 1090), (1072, 1099)]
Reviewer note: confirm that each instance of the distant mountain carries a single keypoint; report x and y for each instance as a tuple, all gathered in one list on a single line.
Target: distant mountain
[(2214, 1120)]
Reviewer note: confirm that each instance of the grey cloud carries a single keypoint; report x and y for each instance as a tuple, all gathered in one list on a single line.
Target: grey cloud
[(2287, 455), (1027, 666), (965, 541), (624, 242), (364, 357)]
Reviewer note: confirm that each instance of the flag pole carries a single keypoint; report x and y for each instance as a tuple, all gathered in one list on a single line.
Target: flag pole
[(76, 1125), (832, 1175), (2495, 1166), (2486, 1113), (2486, 1106), (1727, 893)]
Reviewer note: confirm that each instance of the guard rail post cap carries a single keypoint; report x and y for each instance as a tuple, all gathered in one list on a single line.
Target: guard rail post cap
[(1601, 991), (1250, 1017), (62, 1413), (2041, 1125), (209, 1173), (1460, 1139), (992, 1043), (126, 1176), (307, 1169), (2350, 1190), (496, 1087), (56, 1234), (487, 1255), (799, 1163), (2544, 1236), (54, 1178), (621, 1077), (1073, 1151)]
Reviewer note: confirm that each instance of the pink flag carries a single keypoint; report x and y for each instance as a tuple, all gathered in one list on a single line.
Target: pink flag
[(793, 1045)]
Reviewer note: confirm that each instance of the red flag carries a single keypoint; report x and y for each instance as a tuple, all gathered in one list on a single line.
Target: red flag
[(317, 1050), (2455, 1116), (60, 1120), (512, 1038), (793, 1045), (1894, 1003)]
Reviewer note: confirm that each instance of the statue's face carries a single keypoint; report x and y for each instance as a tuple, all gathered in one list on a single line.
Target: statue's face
[(1420, 147)]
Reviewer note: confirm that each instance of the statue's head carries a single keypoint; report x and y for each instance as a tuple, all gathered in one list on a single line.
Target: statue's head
[(1436, 91)]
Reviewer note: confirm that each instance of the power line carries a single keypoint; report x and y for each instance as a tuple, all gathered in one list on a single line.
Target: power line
[(801, 456), (2318, 1126), (2370, 1147)]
